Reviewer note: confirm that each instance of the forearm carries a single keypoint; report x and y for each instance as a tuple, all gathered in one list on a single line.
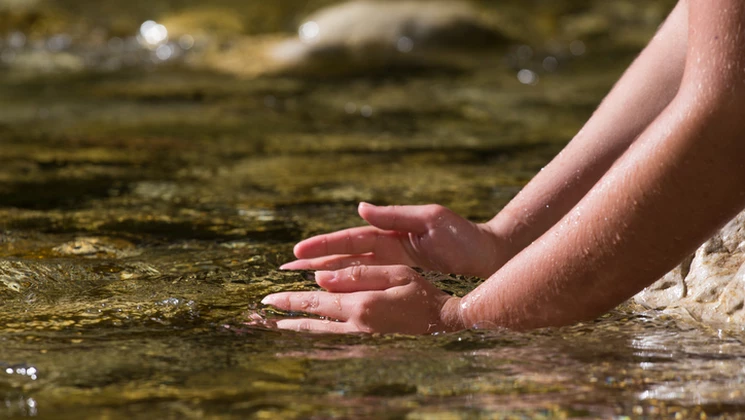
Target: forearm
[(636, 224), (636, 100), (677, 184)]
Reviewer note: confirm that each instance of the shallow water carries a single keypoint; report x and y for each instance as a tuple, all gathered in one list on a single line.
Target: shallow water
[(145, 207)]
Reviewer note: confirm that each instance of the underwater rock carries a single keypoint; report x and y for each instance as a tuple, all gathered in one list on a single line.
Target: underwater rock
[(370, 36), (96, 247), (710, 285)]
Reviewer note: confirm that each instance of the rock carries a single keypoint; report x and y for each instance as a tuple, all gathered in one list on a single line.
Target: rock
[(362, 37), (710, 285), (97, 247)]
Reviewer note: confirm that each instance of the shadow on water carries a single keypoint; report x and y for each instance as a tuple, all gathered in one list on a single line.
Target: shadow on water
[(58, 194)]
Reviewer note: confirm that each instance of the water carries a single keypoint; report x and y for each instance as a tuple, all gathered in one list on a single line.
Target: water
[(145, 206)]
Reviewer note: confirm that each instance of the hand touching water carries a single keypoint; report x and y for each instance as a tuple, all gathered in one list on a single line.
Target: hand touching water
[(430, 237), (371, 291), (382, 299)]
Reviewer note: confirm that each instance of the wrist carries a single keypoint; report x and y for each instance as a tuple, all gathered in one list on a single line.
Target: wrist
[(510, 230), (451, 315)]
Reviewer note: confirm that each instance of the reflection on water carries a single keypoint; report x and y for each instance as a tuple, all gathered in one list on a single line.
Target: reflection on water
[(147, 199)]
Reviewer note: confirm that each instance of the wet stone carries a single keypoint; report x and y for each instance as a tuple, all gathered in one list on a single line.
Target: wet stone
[(97, 247), (709, 286), (369, 37)]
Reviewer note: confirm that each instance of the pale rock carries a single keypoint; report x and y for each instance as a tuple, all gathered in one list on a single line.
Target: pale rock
[(97, 247), (362, 37), (710, 285)]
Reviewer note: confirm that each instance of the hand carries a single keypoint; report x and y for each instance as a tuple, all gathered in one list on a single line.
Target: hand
[(371, 299), (430, 237)]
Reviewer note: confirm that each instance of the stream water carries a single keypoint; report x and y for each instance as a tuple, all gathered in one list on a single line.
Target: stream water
[(146, 203)]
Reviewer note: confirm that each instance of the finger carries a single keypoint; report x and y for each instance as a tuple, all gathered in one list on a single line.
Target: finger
[(365, 278), (359, 240), (413, 219), (334, 262), (317, 326), (318, 303)]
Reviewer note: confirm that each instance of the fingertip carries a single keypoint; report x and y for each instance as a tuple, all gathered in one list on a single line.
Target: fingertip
[(269, 300), (304, 249), (364, 207), (297, 249), (325, 277), (366, 211)]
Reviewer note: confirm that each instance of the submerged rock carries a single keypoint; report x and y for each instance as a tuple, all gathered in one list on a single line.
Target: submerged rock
[(369, 36), (97, 247), (708, 286)]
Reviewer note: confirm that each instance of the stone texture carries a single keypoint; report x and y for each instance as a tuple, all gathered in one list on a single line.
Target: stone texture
[(709, 286), (369, 36)]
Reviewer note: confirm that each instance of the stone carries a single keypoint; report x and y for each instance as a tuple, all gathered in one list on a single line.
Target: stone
[(710, 285), (97, 247), (362, 37)]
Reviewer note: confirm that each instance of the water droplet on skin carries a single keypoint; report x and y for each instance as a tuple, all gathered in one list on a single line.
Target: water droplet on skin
[(337, 301)]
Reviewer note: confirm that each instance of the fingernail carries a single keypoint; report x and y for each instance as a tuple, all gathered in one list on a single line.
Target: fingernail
[(285, 266), (365, 204), (325, 276), (268, 300)]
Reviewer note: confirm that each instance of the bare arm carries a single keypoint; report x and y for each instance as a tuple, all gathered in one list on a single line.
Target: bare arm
[(636, 100), (683, 178), (435, 238)]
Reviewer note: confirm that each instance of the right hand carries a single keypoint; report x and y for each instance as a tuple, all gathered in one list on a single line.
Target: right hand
[(431, 237)]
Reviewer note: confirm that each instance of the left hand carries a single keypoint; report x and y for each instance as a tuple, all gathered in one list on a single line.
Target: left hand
[(371, 299)]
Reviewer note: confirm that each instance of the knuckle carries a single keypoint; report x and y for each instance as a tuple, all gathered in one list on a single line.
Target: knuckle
[(402, 275), (366, 308), (436, 211), (356, 272)]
